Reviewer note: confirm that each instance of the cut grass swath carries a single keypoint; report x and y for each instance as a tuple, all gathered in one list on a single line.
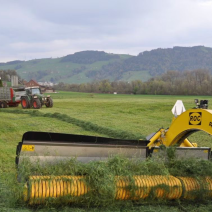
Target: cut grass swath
[(83, 124)]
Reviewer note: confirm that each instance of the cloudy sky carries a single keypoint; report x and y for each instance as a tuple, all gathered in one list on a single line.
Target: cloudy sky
[(32, 29)]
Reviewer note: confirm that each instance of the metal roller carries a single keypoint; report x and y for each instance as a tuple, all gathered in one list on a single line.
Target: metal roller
[(40, 188)]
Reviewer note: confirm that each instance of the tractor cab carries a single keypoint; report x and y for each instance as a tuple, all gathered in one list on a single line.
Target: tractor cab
[(36, 91), (33, 91)]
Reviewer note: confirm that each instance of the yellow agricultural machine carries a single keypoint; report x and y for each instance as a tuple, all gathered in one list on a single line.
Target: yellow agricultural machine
[(49, 148)]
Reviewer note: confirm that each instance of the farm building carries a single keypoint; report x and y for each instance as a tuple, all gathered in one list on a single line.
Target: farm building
[(31, 83), (44, 88)]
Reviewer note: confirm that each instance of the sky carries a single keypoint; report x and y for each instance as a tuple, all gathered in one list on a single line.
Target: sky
[(34, 29)]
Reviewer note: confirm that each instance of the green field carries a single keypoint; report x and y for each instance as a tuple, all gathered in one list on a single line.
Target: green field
[(129, 116)]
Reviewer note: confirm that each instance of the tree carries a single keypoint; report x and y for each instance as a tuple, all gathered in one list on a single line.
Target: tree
[(105, 86)]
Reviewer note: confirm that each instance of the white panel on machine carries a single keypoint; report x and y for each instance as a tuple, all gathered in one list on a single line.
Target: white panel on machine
[(178, 108)]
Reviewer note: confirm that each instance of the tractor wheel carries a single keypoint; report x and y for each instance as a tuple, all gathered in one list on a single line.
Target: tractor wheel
[(25, 103), (49, 102), (3, 104), (36, 104)]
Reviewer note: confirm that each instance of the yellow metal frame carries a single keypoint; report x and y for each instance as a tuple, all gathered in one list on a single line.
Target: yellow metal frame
[(184, 125)]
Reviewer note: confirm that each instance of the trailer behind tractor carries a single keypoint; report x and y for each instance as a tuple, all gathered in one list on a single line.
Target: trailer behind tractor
[(10, 96)]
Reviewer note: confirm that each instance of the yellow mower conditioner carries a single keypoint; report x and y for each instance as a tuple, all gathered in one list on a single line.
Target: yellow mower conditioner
[(49, 148)]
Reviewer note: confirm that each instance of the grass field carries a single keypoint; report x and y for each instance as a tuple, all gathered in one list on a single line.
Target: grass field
[(132, 116)]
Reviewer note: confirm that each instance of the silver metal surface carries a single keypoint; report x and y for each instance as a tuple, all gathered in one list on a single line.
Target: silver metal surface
[(18, 95), (5, 93), (186, 152), (82, 152)]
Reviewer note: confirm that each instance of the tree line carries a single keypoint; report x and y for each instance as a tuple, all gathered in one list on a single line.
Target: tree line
[(196, 82), (6, 74)]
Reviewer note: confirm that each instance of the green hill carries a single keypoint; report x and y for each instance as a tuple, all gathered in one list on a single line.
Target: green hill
[(87, 66)]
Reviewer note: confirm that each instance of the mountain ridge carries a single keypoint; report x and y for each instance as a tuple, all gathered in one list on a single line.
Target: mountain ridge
[(90, 65)]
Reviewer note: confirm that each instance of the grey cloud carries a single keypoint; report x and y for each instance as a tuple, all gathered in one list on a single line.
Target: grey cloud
[(37, 28)]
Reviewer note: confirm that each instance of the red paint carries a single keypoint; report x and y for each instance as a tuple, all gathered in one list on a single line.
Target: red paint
[(11, 94), (35, 104), (11, 102), (24, 103)]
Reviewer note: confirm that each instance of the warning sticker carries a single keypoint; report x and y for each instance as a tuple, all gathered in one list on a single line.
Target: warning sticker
[(29, 148)]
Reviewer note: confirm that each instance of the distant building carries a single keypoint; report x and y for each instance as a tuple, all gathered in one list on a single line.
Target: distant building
[(32, 83), (24, 82), (44, 88), (48, 84)]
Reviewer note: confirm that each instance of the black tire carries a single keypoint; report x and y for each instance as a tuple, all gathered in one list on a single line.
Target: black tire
[(3, 104), (25, 103), (49, 102), (36, 104)]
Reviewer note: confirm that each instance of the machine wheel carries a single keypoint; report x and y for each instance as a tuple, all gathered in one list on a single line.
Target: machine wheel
[(25, 103), (49, 102), (3, 104), (36, 104)]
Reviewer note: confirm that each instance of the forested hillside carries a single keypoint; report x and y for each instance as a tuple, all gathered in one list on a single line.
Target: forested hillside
[(89, 66)]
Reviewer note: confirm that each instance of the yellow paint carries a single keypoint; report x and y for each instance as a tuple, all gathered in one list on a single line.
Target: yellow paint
[(36, 191), (29, 148), (154, 139), (190, 121), (186, 143)]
